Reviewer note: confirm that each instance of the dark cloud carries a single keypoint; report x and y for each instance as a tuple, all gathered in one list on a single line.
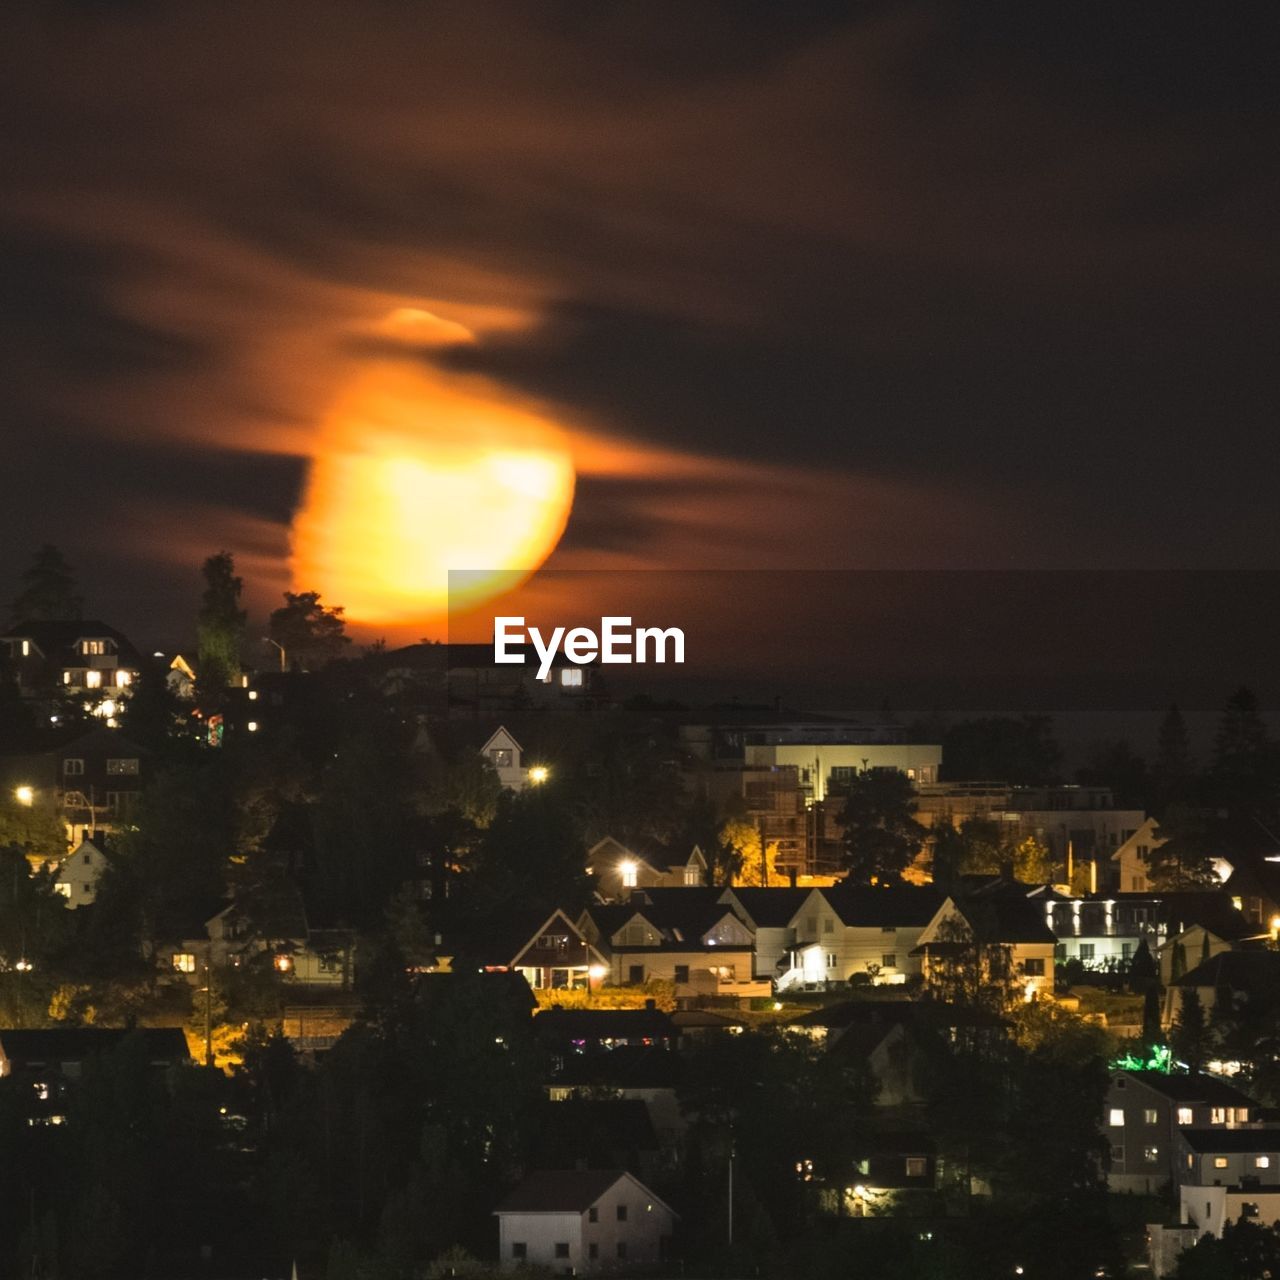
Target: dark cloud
[(934, 284)]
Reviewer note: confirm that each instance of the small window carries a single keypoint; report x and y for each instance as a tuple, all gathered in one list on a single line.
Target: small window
[(123, 678), (1117, 1116), (122, 766), (831, 959), (917, 1166), (1242, 1115), (622, 1213), (93, 679), (1217, 1115), (828, 925), (593, 1214), (635, 974), (1087, 950), (1186, 1115), (93, 646), (1149, 1116), (519, 1249), (1033, 968), (562, 1248), (72, 767), (1151, 1154), (184, 962), (501, 757), (1220, 1162), (682, 973), (571, 677), (1248, 1210), (889, 960), (1262, 1162), (888, 928)]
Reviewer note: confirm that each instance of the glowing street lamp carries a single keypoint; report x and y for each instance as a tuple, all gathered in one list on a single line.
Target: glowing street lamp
[(538, 774), (25, 795)]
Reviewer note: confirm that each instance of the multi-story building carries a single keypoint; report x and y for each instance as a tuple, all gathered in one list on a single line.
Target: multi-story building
[(1146, 1112), (82, 658)]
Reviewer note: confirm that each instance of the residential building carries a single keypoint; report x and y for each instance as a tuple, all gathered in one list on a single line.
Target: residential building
[(506, 756), (79, 658), (1145, 1113), (687, 937), (1003, 918), (552, 954), (64, 1051), (618, 869), (78, 873), (770, 915), (583, 1221), (1239, 976)]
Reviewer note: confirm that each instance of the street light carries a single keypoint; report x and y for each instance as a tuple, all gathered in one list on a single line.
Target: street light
[(279, 646), (538, 774), (25, 795)]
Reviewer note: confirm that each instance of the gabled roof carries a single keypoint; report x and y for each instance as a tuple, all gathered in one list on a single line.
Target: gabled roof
[(501, 735), (768, 908), (55, 639), (867, 906), (1213, 1141), (568, 1191), (603, 1024), (1190, 1088), (75, 1044), (1253, 972)]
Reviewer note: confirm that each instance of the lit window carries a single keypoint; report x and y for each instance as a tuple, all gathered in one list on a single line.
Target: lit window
[(253, 695), (184, 962), (1220, 1162), (63, 888), (283, 964), (1186, 1115), (93, 679), (571, 677), (628, 870), (1149, 1116), (93, 646), (501, 757), (1218, 1115), (1243, 1115), (123, 678), (1262, 1162), (122, 767), (917, 1166), (1151, 1154), (26, 648), (1117, 1116), (252, 726)]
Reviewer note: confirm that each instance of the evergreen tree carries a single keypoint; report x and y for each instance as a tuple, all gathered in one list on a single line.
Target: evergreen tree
[(1240, 745), (1190, 1032), (48, 590), (220, 629), (1173, 748)]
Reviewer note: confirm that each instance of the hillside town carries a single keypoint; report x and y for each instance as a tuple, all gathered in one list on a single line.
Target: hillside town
[(415, 965)]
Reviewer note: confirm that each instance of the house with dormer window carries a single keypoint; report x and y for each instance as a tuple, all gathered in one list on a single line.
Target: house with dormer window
[(51, 660)]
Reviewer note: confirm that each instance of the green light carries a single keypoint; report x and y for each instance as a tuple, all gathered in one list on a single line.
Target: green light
[(1161, 1059)]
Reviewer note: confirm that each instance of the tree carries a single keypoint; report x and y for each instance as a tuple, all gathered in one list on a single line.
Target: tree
[(753, 860), (1190, 1032), (310, 633), (1241, 743), (220, 628), (1173, 765), (1032, 861), (1183, 857), (48, 590), (1113, 763), (881, 835)]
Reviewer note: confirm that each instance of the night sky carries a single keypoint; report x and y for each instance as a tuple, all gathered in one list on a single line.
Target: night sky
[(928, 286)]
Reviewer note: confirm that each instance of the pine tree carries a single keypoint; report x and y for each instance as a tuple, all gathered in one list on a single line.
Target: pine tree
[(48, 590), (220, 628), (1241, 742)]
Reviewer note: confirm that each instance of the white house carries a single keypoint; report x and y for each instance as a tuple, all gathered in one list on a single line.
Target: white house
[(79, 872), (506, 755), (583, 1220)]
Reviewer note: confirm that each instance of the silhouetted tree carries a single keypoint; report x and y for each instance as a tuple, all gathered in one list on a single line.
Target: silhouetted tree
[(311, 634), (881, 835), (48, 590), (220, 629)]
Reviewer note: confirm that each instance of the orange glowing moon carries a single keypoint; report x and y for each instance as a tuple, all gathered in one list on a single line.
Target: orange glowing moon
[(417, 474)]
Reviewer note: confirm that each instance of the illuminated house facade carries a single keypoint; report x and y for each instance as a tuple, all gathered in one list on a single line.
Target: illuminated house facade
[(85, 658), (618, 869), (1145, 1113)]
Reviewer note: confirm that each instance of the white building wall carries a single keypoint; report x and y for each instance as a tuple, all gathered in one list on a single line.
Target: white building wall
[(540, 1233)]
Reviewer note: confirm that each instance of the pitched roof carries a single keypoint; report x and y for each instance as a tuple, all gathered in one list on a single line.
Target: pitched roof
[(1191, 1088), (905, 906), (564, 1191), (1231, 1140), (1256, 972), (1012, 919), (769, 908), (604, 1024), (54, 638), (71, 1044)]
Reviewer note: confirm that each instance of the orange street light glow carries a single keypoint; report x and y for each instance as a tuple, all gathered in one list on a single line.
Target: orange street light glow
[(418, 473)]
